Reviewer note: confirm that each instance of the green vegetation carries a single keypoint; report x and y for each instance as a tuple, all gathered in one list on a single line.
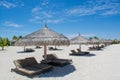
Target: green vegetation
[(94, 37), (4, 42), (15, 38), (115, 41)]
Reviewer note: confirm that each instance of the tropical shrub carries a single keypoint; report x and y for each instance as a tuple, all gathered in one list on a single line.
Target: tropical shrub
[(115, 41), (4, 42)]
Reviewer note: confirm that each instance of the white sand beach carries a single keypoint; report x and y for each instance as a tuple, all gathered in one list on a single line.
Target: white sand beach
[(100, 65)]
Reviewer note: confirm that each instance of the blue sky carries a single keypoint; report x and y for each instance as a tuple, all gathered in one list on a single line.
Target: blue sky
[(88, 17)]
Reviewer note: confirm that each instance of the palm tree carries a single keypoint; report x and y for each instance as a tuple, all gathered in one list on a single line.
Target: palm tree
[(3, 42), (7, 41), (90, 38), (115, 41), (19, 37), (15, 38), (95, 37)]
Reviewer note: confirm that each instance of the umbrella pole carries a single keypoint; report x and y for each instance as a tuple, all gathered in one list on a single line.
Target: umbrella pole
[(24, 48), (80, 47), (45, 52), (93, 44), (55, 47)]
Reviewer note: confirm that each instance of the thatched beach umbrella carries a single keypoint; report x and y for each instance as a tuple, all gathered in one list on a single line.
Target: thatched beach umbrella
[(44, 37), (95, 41), (106, 41), (79, 40)]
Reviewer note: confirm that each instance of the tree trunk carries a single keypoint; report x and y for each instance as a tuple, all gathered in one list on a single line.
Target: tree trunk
[(2, 48)]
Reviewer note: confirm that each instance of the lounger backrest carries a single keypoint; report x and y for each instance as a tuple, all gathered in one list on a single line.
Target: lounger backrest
[(51, 56), (20, 63), (73, 51), (78, 50), (31, 61)]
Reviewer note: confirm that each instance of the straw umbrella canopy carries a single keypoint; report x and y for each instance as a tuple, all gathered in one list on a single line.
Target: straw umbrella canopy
[(95, 41), (79, 40), (44, 37), (106, 41)]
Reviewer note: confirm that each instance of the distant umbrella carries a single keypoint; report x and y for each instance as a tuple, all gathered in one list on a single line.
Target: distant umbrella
[(79, 40), (95, 41), (106, 41), (44, 36)]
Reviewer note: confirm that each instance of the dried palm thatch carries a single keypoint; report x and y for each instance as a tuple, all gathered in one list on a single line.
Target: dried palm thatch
[(93, 40), (79, 40), (106, 41), (44, 36)]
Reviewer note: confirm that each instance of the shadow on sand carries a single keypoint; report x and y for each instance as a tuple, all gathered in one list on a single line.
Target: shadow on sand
[(97, 50), (85, 55), (59, 71), (90, 55), (24, 52), (55, 49), (2, 50)]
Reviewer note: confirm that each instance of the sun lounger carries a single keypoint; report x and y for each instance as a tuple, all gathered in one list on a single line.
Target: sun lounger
[(79, 53), (95, 48), (29, 50), (84, 52), (54, 60), (38, 47), (73, 51), (30, 67), (51, 48)]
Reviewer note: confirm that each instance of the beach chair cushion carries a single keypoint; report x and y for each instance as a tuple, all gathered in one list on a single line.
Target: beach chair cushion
[(78, 50), (20, 63), (73, 51), (31, 61), (51, 56), (54, 60)]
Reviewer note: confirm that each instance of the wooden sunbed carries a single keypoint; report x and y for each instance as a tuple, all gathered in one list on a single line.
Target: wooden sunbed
[(84, 52), (95, 48), (52, 59), (30, 67), (29, 50), (78, 53)]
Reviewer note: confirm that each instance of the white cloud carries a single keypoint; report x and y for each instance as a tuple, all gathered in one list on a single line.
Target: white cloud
[(14, 31), (7, 4), (39, 15), (110, 12), (44, 2), (12, 24), (48, 20), (102, 7), (38, 11), (54, 21)]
